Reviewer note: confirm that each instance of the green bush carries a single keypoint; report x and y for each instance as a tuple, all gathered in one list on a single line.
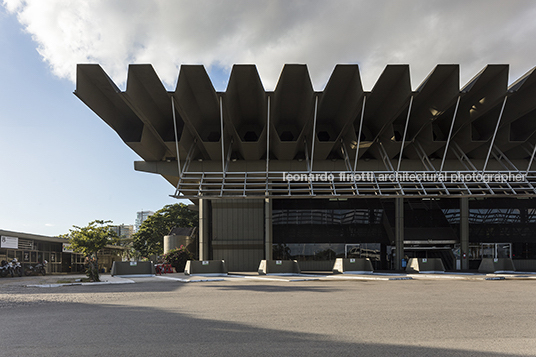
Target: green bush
[(178, 257)]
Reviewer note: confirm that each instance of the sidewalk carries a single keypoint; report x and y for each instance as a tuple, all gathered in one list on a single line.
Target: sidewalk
[(71, 279), (59, 280)]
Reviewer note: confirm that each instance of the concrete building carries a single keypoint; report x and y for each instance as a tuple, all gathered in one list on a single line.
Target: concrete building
[(124, 231), (440, 171)]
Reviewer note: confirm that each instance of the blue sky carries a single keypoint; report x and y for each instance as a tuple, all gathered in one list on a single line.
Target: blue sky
[(61, 165)]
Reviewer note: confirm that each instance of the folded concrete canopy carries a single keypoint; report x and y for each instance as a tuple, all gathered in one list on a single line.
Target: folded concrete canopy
[(239, 142)]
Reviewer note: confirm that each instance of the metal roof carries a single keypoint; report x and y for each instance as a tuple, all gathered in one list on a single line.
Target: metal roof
[(43, 238), (33, 236), (485, 127)]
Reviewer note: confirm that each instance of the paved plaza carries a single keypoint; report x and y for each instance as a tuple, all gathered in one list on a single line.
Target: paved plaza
[(271, 316)]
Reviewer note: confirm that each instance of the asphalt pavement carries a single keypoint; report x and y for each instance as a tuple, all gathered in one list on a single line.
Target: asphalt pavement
[(275, 316)]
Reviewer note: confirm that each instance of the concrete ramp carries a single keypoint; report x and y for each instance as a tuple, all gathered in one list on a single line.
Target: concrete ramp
[(287, 267), (492, 265), (425, 265), (352, 266)]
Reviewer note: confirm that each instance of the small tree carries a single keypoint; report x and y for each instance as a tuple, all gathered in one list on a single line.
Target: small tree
[(89, 240)]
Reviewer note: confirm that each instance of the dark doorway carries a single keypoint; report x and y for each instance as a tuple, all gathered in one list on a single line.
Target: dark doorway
[(66, 263)]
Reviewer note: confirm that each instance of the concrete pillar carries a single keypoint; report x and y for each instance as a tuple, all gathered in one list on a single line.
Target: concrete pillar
[(464, 232), (399, 232), (268, 234), (204, 228)]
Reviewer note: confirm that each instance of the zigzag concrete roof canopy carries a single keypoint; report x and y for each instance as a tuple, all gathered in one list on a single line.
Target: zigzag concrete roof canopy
[(238, 143), (338, 107), (246, 109)]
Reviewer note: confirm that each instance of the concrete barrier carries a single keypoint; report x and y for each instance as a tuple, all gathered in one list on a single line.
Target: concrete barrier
[(492, 265), (133, 269), (316, 265), (352, 266), (280, 267), (425, 265), (206, 267)]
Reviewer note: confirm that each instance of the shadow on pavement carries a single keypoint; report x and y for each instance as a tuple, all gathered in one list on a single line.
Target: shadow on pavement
[(159, 328), (258, 286)]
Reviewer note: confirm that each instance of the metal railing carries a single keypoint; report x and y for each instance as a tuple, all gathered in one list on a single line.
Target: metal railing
[(362, 184)]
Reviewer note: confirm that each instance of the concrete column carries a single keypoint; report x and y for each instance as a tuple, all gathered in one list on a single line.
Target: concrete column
[(204, 228), (399, 232), (268, 234), (464, 232)]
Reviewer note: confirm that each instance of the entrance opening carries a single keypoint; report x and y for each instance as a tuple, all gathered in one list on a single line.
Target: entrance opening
[(365, 250), (446, 251)]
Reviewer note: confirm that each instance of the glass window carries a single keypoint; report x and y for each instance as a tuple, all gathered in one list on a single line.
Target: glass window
[(452, 215), (524, 250), (326, 216), (325, 251)]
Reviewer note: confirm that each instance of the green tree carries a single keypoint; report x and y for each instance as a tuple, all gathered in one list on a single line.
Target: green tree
[(149, 239), (89, 240)]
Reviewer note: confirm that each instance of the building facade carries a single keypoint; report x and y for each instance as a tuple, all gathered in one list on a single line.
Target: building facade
[(441, 171), (124, 231), (141, 216)]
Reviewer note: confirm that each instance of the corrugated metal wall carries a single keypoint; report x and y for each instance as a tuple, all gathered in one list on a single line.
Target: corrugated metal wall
[(238, 233)]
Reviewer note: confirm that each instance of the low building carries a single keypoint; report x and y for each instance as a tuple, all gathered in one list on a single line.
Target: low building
[(30, 249)]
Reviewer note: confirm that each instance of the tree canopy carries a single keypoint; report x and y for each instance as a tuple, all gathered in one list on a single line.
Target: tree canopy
[(89, 240), (149, 239), (92, 238)]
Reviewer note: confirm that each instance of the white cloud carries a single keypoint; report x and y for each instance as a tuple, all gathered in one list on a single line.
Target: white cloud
[(269, 34)]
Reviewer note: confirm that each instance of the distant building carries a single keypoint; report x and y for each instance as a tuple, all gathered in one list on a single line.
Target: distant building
[(140, 217), (124, 230)]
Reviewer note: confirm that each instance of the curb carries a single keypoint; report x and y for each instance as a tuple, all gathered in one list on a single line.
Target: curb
[(125, 281)]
